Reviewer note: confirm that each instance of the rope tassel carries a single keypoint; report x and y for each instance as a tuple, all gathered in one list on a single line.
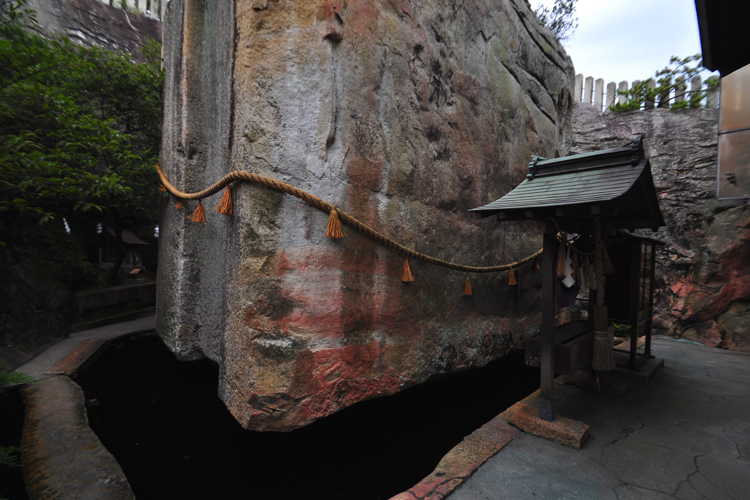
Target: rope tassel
[(225, 204), (334, 230), (178, 205), (512, 278), (406, 275), (200, 213), (467, 286)]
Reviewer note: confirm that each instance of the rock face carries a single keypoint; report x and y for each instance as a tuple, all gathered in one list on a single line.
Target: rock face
[(703, 274), (404, 114), (91, 22)]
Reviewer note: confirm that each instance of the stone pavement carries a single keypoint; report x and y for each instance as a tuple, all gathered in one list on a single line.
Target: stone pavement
[(686, 435)]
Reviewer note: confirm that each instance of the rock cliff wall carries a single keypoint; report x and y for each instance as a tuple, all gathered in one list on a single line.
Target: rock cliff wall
[(404, 114), (703, 274), (91, 22)]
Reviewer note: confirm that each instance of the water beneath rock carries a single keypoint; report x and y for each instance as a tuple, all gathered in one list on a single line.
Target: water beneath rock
[(174, 438)]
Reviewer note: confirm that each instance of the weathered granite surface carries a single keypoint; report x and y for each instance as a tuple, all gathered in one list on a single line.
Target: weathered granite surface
[(91, 22), (404, 114), (703, 273)]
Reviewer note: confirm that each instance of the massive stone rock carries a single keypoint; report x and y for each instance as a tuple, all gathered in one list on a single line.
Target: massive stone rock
[(404, 114), (703, 273)]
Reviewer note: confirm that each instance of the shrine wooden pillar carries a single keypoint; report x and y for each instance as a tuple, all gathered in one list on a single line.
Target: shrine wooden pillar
[(546, 401)]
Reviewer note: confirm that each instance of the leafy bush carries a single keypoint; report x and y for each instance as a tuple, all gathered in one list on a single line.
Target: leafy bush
[(79, 129)]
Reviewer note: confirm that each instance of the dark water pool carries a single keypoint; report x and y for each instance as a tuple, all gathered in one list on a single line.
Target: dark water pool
[(11, 426), (174, 438)]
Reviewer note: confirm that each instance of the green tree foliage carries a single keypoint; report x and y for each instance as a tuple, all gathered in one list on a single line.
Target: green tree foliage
[(79, 129), (560, 19), (679, 72)]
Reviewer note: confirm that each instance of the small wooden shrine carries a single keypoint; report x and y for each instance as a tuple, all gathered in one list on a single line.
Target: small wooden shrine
[(591, 204)]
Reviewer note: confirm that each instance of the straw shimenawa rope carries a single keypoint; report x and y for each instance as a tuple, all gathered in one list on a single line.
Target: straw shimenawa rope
[(343, 216)]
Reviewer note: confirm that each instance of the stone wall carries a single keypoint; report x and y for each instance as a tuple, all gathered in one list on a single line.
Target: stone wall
[(703, 274), (404, 114)]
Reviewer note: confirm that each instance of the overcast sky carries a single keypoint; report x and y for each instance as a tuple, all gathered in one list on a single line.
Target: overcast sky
[(630, 39)]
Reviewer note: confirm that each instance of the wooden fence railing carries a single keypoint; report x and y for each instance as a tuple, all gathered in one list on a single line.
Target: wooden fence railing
[(593, 92)]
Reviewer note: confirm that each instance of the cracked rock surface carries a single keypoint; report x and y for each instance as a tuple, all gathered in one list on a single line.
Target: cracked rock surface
[(403, 114), (684, 436), (703, 274)]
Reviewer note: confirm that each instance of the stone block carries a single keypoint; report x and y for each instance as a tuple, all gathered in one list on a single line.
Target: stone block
[(562, 430)]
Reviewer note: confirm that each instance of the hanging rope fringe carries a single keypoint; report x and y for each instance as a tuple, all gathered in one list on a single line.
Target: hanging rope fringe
[(537, 265), (334, 226), (406, 275), (588, 275), (178, 205), (467, 286), (345, 218), (225, 205), (162, 188), (200, 214), (512, 278)]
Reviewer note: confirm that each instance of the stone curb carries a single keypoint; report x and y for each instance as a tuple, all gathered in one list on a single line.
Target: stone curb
[(73, 361), (462, 461), (60, 454), (478, 447)]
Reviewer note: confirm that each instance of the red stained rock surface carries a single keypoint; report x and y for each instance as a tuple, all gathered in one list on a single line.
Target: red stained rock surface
[(403, 115)]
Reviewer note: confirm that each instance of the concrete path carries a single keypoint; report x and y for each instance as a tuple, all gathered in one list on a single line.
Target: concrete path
[(47, 363), (686, 435)]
